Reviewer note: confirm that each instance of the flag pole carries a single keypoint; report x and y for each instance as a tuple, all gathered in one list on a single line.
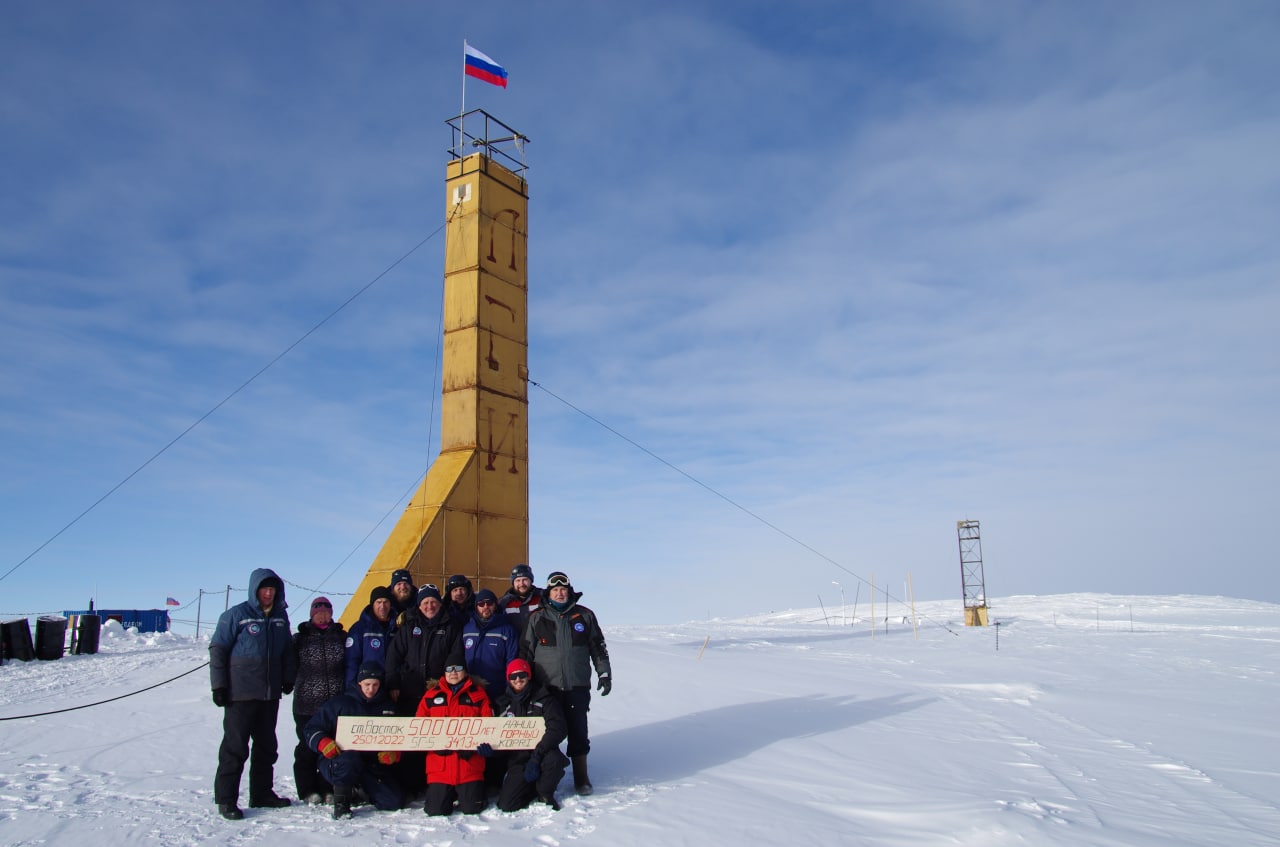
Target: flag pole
[(462, 135)]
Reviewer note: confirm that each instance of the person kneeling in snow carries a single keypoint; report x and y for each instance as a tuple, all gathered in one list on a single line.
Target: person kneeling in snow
[(536, 772), (455, 775), (346, 769)]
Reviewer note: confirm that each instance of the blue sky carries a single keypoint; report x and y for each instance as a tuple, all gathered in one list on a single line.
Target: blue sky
[(865, 269)]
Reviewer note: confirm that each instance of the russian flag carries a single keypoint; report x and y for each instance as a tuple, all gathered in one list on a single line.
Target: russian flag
[(171, 602), (480, 66)]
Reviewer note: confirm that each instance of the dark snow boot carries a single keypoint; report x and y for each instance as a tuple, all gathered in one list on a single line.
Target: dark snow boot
[(581, 782), (270, 800), (230, 811), (341, 802), (550, 800)]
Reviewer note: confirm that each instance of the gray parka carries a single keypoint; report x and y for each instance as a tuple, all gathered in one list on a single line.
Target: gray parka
[(562, 646)]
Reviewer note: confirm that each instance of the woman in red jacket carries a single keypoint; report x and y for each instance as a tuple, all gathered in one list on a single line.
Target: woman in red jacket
[(455, 775)]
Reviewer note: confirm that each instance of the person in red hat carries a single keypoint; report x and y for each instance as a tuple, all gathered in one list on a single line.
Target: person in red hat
[(537, 772)]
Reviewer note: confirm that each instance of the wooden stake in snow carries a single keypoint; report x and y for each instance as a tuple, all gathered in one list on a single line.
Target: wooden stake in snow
[(704, 647)]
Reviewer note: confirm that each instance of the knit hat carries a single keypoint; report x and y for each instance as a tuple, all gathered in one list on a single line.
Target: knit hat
[(485, 594), (521, 570), (456, 657), (426, 591), (322, 602), (457, 581), (518, 665), (401, 575), (381, 593), (370, 670), (557, 578)]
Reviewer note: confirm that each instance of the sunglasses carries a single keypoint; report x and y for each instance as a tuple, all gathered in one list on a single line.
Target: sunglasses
[(454, 669), (519, 675), (322, 605), (486, 603)]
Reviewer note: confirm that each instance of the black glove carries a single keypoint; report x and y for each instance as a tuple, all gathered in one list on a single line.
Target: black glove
[(605, 686), (221, 697), (287, 688), (532, 770), (464, 755), (485, 749)]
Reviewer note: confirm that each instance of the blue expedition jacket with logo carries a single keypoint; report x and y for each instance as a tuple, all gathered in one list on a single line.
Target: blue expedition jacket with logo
[(251, 653), (487, 648), (367, 641)]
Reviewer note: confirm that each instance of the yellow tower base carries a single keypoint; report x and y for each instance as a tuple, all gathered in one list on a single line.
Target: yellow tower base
[(975, 616)]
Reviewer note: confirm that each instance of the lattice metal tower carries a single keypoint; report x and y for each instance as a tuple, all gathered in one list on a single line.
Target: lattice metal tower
[(972, 580)]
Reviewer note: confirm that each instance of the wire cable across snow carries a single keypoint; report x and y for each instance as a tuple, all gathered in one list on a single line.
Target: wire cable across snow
[(108, 700)]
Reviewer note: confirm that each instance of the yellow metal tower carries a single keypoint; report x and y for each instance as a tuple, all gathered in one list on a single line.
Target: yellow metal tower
[(471, 513)]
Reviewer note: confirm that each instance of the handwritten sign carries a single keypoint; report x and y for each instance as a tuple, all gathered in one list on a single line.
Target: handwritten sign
[(409, 734)]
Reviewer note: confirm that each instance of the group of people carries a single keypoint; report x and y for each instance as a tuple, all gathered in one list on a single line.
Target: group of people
[(413, 652)]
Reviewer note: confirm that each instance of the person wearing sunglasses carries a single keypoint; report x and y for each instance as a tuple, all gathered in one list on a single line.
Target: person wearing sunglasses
[(531, 773), (455, 776), (563, 641), (489, 643)]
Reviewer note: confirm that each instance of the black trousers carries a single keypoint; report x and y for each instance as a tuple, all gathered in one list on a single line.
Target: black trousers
[(470, 796), (516, 793), (351, 769), (576, 702), (306, 773), (245, 721)]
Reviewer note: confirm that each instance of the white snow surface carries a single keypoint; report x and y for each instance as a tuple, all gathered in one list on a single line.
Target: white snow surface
[(1100, 720)]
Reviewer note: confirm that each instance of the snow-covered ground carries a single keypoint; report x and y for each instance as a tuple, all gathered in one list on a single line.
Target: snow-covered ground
[(1101, 720)]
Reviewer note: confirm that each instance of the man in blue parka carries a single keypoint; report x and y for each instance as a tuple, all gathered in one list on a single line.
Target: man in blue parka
[(369, 637), (251, 663), (489, 643)]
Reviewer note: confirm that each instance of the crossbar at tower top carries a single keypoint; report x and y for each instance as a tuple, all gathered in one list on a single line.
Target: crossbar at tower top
[(478, 129)]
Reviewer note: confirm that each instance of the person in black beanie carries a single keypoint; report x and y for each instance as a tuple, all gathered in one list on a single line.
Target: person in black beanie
[(403, 593), (416, 658), (347, 769), (371, 634), (522, 599), (459, 598)]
